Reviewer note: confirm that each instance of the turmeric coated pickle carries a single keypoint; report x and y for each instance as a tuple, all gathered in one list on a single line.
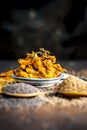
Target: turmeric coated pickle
[(38, 65)]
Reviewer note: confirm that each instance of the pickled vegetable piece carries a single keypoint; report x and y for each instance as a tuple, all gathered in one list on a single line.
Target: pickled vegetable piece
[(39, 64)]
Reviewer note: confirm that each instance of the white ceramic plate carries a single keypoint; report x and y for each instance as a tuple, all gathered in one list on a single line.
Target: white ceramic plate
[(41, 82)]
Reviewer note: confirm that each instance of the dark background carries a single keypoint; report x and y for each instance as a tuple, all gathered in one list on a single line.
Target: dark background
[(57, 25)]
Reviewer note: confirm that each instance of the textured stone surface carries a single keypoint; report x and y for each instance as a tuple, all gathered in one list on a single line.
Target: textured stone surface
[(46, 112)]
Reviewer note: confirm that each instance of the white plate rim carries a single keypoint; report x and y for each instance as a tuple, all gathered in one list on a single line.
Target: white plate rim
[(38, 79)]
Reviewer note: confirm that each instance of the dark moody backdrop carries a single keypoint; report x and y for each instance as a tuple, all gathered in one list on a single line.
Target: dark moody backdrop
[(57, 25)]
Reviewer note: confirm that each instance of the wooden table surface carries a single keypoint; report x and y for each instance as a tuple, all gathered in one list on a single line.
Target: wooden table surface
[(56, 113)]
